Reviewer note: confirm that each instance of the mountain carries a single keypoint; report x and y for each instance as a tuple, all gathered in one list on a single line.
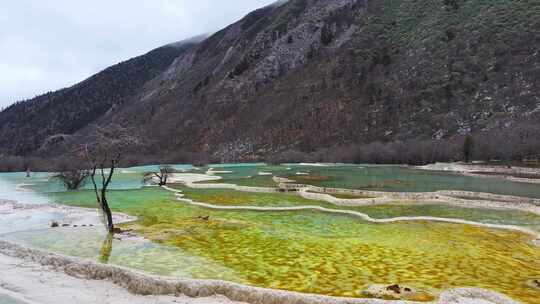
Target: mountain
[(27, 125), (311, 74)]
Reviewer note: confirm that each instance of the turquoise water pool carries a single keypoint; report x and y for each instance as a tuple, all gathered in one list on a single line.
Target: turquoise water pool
[(376, 178), (305, 251), (401, 179)]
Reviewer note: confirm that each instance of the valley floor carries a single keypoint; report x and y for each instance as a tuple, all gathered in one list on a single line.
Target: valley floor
[(25, 281)]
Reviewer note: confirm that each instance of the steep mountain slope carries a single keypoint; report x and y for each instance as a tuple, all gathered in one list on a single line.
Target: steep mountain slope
[(309, 74), (315, 73), (28, 125)]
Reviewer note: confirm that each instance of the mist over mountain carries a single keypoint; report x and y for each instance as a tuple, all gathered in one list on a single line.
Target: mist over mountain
[(306, 75)]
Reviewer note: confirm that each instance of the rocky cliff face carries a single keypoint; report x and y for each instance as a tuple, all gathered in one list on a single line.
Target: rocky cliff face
[(308, 74)]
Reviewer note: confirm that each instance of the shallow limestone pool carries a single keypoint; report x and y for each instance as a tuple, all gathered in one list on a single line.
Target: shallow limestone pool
[(378, 178), (304, 251)]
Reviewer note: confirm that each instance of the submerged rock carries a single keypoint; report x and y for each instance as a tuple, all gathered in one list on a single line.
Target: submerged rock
[(395, 288), (397, 292), (534, 283), (204, 218)]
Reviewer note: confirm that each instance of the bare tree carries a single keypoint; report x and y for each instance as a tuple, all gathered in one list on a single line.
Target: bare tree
[(162, 176), (73, 178), (72, 172), (104, 152)]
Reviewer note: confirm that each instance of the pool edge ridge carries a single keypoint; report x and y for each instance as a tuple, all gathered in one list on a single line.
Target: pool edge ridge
[(181, 198), (486, 199), (366, 217), (139, 283)]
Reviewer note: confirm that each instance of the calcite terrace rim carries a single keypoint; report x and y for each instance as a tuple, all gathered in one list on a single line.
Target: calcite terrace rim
[(140, 283), (180, 197)]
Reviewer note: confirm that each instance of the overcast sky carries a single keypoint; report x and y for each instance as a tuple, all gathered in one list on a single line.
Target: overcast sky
[(48, 45)]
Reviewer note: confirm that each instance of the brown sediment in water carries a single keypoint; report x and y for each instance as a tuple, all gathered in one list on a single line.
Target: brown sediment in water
[(142, 284), (360, 215)]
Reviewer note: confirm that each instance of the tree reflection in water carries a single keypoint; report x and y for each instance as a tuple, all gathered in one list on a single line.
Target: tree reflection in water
[(106, 249)]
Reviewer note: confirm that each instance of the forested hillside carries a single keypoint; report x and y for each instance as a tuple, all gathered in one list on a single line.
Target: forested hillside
[(349, 76), (27, 125)]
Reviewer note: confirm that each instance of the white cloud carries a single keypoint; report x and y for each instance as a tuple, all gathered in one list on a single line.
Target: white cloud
[(47, 45)]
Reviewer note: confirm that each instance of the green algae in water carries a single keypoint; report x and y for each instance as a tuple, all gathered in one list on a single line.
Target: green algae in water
[(95, 244), (390, 210), (241, 198), (120, 200), (328, 254), (482, 215), (339, 255)]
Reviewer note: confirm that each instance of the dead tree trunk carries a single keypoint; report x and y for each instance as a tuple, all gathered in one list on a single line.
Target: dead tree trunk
[(107, 210), (104, 152), (101, 194)]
